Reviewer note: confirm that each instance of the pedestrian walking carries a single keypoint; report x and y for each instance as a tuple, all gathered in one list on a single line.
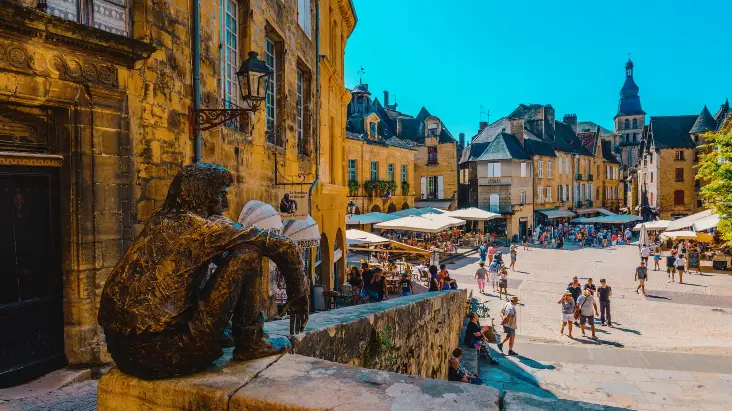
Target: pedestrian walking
[(644, 253), (681, 267), (526, 243), (483, 251), (604, 293), (567, 303), (508, 320), (641, 275), (480, 276), (590, 286), (491, 253), (671, 268), (656, 259), (503, 283), (628, 236), (514, 252), (587, 309), (493, 274)]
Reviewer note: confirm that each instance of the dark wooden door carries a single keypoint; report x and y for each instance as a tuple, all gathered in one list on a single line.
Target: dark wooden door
[(31, 316)]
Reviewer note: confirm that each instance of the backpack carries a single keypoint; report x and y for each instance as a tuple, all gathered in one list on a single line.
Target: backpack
[(670, 261)]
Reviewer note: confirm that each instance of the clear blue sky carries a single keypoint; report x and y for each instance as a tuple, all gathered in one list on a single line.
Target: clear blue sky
[(452, 56)]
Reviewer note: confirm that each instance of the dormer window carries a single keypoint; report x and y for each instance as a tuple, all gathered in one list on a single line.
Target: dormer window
[(432, 129), (372, 129)]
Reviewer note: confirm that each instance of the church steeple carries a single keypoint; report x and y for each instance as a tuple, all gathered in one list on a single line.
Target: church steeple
[(629, 103)]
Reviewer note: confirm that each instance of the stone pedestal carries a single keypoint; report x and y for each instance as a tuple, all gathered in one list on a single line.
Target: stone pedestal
[(291, 382)]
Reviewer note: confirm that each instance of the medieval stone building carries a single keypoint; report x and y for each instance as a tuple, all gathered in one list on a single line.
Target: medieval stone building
[(94, 124)]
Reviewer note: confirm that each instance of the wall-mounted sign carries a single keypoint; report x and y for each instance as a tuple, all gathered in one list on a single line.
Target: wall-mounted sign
[(294, 205)]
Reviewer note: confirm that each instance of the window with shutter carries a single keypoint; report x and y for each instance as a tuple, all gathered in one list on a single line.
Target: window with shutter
[(523, 169), (678, 197), (541, 169), (303, 15)]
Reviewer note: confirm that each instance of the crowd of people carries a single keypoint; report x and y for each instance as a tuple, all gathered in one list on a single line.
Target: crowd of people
[(580, 235), (579, 306)]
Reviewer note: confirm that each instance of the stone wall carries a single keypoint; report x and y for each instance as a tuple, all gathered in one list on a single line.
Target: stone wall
[(412, 335)]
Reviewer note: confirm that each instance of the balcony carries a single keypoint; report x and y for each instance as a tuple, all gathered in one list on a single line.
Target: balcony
[(578, 177), (589, 177), (589, 203), (578, 204)]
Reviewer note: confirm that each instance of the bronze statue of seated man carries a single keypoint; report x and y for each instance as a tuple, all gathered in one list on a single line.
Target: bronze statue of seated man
[(163, 312)]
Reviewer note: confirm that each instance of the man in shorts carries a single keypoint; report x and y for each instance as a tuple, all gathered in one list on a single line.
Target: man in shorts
[(508, 319), (680, 267), (585, 304), (644, 253), (671, 267), (481, 275), (493, 273), (641, 275)]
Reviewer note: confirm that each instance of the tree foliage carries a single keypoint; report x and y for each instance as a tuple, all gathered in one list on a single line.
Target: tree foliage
[(715, 173)]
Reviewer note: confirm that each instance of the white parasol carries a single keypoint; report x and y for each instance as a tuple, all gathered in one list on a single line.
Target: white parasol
[(305, 233), (261, 215)]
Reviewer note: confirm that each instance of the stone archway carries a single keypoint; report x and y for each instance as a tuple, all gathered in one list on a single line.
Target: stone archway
[(405, 206), (339, 260), (375, 208), (323, 259), (392, 208)]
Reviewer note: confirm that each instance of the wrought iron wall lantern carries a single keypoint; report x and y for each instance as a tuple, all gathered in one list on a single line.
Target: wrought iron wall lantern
[(254, 77)]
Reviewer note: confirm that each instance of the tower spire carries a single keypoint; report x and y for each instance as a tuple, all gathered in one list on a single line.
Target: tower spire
[(361, 72)]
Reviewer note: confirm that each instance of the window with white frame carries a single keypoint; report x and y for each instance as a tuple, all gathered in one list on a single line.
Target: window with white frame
[(541, 168), (559, 170), (523, 197), (549, 169), (549, 194), (523, 169), (494, 169), (271, 97), (540, 194), (231, 53), (390, 171), (303, 15), (566, 166), (374, 171), (404, 173)]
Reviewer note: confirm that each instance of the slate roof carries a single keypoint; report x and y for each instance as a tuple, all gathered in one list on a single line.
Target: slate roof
[(489, 133), (472, 152), (671, 131), (539, 148), (565, 140), (588, 140), (705, 122), (722, 114), (397, 142), (607, 152), (583, 126), (504, 147)]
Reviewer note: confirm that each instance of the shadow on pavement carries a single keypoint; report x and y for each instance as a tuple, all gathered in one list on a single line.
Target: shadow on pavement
[(657, 297), (462, 262), (507, 375), (534, 364)]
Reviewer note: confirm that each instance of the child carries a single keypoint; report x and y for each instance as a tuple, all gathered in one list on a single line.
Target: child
[(503, 283), (656, 259), (671, 267), (526, 243), (514, 252), (406, 285)]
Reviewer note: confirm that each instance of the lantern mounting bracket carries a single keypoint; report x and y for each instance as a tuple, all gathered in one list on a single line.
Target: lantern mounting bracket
[(208, 118), (296, 181)]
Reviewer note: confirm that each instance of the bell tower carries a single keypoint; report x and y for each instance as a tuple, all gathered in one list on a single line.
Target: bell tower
[(629, 120)]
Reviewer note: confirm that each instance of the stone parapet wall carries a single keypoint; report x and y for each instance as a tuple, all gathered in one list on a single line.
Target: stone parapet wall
[(412, 335)]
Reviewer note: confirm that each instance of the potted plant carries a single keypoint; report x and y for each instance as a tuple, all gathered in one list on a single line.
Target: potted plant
[(405, 188), (353, 186), (370, 186)]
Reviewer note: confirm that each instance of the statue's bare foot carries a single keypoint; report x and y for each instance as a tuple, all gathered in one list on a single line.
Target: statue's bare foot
[(260, 349)]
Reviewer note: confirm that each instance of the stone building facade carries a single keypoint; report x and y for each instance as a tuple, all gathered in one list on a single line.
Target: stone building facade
[(667, 185), (434, 181), (95, 125)]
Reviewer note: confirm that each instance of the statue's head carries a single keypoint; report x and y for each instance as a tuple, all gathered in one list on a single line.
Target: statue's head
[(199, 188)]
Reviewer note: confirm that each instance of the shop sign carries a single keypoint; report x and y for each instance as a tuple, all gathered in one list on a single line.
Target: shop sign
[(293, 205)]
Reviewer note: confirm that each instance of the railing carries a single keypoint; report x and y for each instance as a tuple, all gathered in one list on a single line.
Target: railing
[(432, 161), (578, 176), (589, 177), (578, 204), (589, 203)]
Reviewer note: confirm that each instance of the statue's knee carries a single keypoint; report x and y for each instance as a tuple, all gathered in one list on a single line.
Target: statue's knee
[(245, 255)]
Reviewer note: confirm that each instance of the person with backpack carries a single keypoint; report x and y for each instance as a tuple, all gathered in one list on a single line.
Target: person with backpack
[(508, 320), (584, 307)]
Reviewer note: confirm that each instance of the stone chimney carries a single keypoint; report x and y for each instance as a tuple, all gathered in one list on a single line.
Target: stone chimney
[(386, 99), (482, 125), (570, 119), (461, 139), (517, 129)]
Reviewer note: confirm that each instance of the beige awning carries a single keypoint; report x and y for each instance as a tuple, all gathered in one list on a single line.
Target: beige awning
[(706, 223), (473, 213), (688, 221), (557, 213)]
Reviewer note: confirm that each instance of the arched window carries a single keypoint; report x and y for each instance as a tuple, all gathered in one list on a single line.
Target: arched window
[(627, 124), (635, 123)]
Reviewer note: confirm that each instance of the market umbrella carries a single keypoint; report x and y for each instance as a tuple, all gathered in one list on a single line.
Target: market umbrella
[(643, 238), (453, 222), (305, 233), (357, 237), (680, 235), (261, 215), (414, 223), (473, 213)]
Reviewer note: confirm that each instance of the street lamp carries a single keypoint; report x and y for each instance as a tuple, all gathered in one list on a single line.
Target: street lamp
[(253, 77)]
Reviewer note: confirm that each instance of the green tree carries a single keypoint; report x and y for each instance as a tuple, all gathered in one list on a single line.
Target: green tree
[(715, 174)]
